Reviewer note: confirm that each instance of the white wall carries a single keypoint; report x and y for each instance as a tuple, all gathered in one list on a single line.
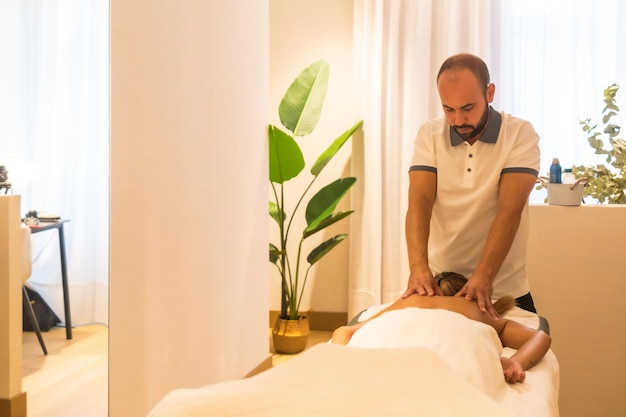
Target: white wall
[(189, 97), (302, 32), (576, 272)]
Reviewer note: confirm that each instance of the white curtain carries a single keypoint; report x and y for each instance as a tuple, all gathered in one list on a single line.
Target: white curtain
[(550, 61), (54, 113)]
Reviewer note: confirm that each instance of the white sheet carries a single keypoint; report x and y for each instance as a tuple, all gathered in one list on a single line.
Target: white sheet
[(459, 342), (471, 348), (331, 380)]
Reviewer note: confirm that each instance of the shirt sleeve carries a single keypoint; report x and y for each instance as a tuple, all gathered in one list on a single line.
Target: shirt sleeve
[(525, 155), (424, 156)]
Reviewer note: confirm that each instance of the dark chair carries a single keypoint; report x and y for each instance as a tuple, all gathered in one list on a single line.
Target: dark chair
[(27, 270)]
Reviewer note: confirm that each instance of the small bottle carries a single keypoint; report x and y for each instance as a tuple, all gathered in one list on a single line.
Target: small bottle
[(555, 172), (568, 176)]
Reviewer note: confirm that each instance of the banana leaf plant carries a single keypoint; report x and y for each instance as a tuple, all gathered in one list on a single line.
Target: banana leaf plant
[(299, 112)]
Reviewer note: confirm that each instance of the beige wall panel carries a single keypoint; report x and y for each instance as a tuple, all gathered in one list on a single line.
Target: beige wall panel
[(578, 281)]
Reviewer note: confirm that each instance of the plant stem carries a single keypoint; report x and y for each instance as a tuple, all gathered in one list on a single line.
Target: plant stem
[(283, 256), (293, 286), (306, 276), (293, 215), (294, 301)]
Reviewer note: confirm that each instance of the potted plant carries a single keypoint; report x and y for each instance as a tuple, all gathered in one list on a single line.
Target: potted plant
[(605, 183), (299, 112)]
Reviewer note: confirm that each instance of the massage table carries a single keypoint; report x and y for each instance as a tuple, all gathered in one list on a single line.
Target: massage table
[(440, 380)]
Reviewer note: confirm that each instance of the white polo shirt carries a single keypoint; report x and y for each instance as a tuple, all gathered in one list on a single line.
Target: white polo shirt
[(468, 179)]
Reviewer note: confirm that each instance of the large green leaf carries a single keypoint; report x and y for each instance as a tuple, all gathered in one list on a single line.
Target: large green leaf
[(274, 253), (323, 203), (275, 213), (301, 106), (333, 149), (319, 252), (327, 221), (286, 159)]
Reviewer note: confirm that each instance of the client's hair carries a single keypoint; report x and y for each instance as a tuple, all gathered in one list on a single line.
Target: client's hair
[(452, 282)]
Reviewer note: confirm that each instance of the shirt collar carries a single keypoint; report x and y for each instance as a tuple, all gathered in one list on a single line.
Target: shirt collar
[(490, 135)]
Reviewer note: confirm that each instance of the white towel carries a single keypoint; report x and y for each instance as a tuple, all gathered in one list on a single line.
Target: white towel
[(471, 348)]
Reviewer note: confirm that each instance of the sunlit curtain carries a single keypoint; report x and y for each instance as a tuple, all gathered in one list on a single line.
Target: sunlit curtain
[(54, 113), (550, 61), (399, 46)]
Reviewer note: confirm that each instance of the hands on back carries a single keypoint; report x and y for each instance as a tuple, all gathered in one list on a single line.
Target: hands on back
[(422, 284)]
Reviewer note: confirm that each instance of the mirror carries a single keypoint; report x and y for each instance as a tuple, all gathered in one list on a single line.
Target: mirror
[(54, 129)]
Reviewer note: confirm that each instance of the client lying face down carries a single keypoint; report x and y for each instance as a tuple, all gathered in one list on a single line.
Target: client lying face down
[(531, 344)]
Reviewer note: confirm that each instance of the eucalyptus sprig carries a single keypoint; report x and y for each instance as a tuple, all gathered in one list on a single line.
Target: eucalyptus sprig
[(606, 183)]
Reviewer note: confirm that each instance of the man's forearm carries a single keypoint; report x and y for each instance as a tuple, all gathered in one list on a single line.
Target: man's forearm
[(499, 242), (512, 200), (422, 191), (417, 233)]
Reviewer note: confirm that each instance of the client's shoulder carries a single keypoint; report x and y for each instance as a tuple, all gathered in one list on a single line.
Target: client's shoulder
[(457, 304), (465, 307)]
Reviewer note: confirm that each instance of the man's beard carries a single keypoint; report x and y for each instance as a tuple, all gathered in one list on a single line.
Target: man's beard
[(476, 130)]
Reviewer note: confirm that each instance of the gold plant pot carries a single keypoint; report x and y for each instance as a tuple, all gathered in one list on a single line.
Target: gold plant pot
[(290, 336)]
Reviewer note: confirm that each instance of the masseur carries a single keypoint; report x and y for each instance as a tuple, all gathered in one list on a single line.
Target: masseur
[(469, 183)]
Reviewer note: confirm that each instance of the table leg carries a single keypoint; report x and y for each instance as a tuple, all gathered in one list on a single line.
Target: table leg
[(66, 290)]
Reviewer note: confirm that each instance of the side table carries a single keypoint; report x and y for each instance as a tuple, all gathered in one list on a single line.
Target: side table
[(42, 227)]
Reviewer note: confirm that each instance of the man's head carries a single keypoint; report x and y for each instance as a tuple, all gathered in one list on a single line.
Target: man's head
[(465, 91)]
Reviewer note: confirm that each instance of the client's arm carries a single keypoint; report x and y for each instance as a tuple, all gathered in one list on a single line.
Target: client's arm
[(343, 334), (531, 346)]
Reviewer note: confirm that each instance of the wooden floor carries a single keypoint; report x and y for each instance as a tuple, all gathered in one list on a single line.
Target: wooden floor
[(316, 336), (72, 380)]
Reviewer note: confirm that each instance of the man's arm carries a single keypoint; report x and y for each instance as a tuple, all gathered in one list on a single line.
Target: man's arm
[(513, 196), (422, 192)]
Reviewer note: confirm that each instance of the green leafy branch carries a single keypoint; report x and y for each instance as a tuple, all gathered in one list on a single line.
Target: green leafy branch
[(606, 183)]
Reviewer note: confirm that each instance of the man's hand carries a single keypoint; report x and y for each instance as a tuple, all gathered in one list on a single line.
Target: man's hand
[(422, 284), (513, 371), (479, 290)]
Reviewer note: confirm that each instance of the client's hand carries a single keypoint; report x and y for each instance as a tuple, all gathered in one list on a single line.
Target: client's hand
[(513, 371)]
